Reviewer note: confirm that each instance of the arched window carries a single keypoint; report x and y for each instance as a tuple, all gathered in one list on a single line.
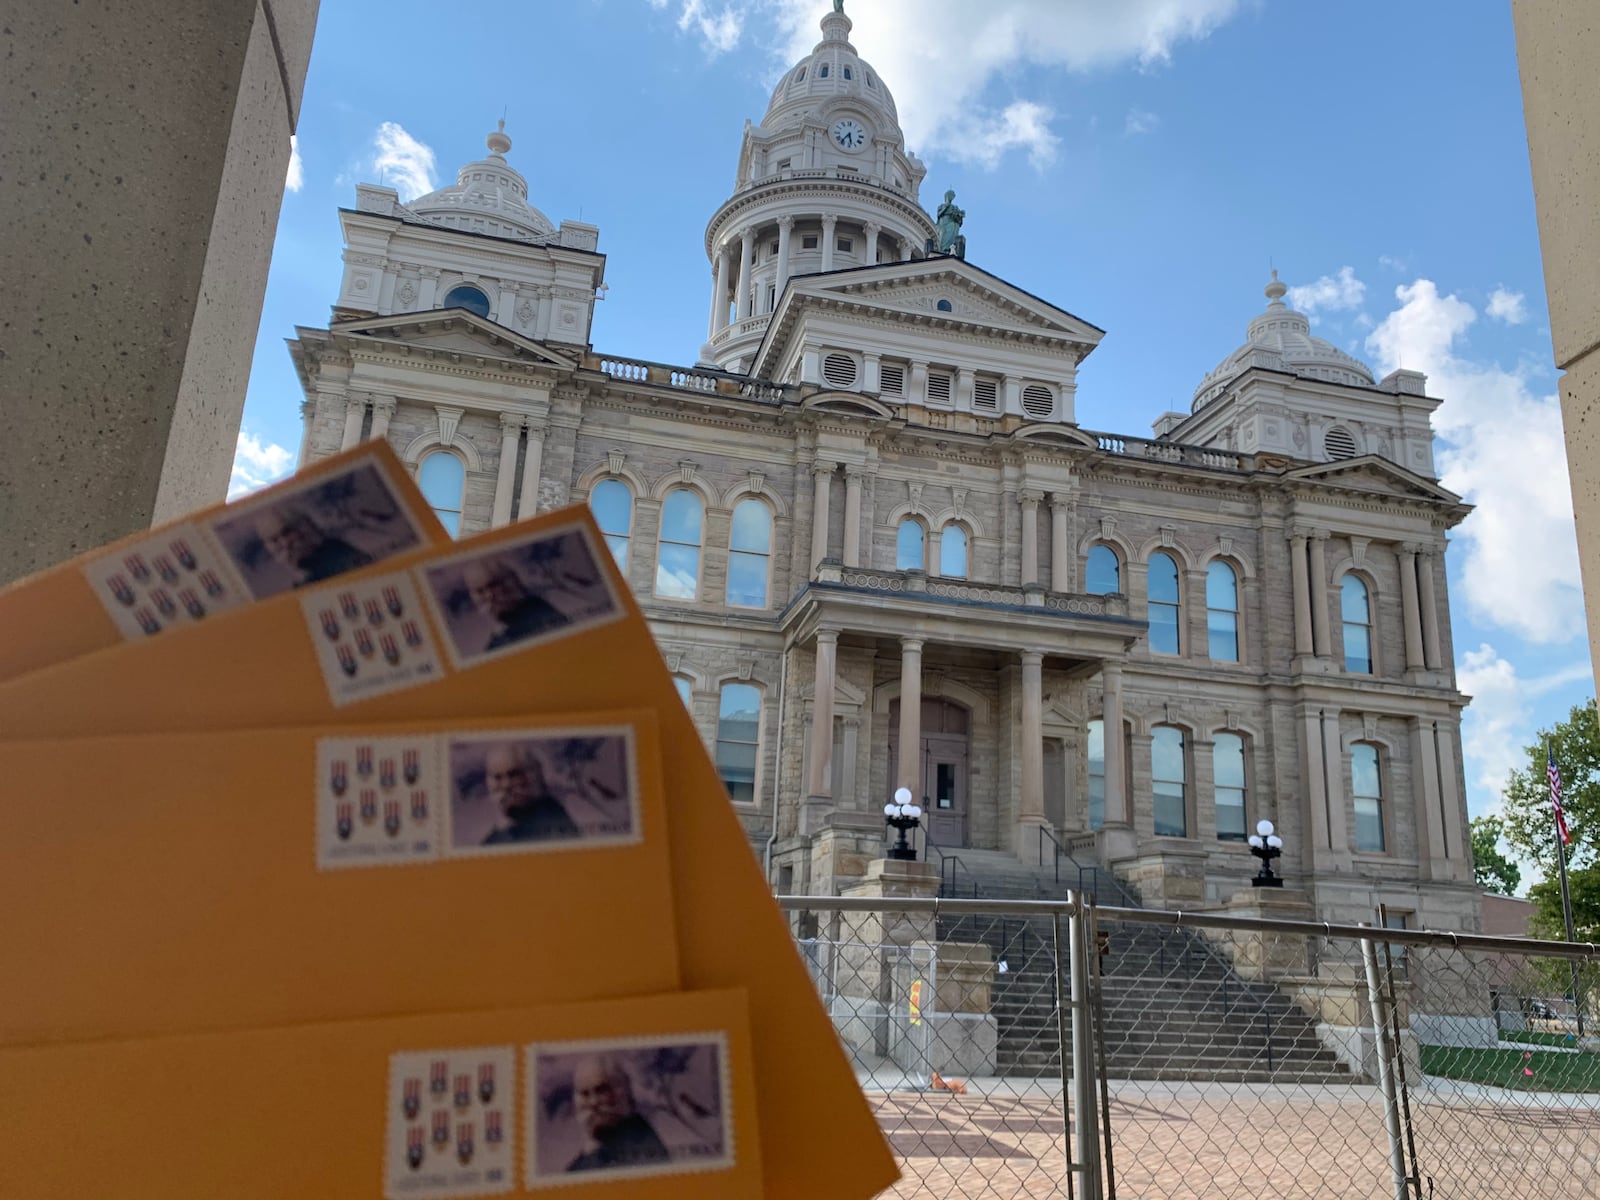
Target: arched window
[(1366, 783), (684, 688), (1169, 776), (443, 478), (1355, 609), (945, 306), (468, 297), (1103, 574), (1227, 779), (612, 505), (1096, 738), (1161, 588), (908, 548), (1222, 612), (739, 740), (953, 551), (678, 556), (749, 554)]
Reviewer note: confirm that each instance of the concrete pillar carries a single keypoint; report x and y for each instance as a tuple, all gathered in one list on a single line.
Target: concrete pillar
[(829, 224), (822, 477), (382, 413), (908, 773), (852, 515), (141, 212), (1030, 537), (719, 301), (1431, 655), (355, 412), (506, 476), (1116, 768), (1452, 803), (532, 462), (1031, 807), (1060, 552), (872, 229), (1319, 594), (785, 231), (1410, 608), (746, 293), (1429, 815), (1302, 595), (308, 417), (1313, 770), (819, 778)]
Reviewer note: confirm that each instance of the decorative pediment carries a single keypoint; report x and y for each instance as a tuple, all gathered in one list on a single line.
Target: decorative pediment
[(848, 404), (1056, 435), (1369, 473), (451, 332)]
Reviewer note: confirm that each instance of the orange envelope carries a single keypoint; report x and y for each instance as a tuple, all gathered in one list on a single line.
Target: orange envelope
[(194, 882), (530, 618), (347, 511), (500, 1102)]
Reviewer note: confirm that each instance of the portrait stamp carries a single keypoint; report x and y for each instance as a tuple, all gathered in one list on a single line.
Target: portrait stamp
[(165, 581), (315, 531), (515, 791), (519, 594), (627, 1108), (379, 800), (371, 637), (451, 1120)]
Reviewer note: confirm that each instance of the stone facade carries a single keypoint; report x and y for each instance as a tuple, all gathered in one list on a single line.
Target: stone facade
[(891, 500)]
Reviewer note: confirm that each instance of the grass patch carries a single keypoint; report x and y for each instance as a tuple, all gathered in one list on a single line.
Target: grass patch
[(1534, 1037), (1509, 1068)]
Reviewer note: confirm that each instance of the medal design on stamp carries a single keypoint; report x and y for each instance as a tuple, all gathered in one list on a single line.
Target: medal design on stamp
[(369, 638), (166, 580), (450, 1137), (364, 818)]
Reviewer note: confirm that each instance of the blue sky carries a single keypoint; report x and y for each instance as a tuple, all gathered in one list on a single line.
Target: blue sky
[(1141, 163)]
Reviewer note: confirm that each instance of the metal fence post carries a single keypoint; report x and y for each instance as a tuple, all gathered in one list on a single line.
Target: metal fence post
[(1391, 1099), (1084, 1099), (1062, 966)]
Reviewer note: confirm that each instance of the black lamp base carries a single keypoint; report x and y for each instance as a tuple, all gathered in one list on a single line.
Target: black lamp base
[(1268, 881)]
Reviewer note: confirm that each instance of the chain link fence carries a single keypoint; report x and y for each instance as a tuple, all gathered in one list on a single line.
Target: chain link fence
[(1020, 1049)]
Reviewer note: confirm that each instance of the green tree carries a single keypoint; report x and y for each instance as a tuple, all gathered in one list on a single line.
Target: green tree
[(1492, 871), (1529, 820)]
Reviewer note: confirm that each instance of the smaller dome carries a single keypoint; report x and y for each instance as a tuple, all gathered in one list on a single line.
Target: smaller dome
[(832, 69), (1280, 339), (488, 196)]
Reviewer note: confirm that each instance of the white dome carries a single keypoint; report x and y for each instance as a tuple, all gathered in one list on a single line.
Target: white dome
[(487, 197), (1280, 339), (832, 70)]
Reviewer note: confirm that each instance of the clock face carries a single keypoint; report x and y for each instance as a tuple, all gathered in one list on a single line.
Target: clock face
[(849, 134)]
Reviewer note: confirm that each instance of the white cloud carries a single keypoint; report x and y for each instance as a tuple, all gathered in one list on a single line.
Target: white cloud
[(1331, 293), (1499, 722), (1390, 263), (1504, 452), (1507, 306), (402, 162), (719, 31), (1138, 121), (257, 463), (296, 177), (942, 74)]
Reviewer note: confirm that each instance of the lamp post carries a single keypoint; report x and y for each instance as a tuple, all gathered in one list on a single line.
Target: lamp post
[(901, 814), (1266, 845)]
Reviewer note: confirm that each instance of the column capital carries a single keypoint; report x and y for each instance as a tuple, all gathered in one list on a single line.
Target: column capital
[(828, 636), (829, 221), (384, 404), (854, 470), (872, 227), (1110, 674), (1060, 499), (786, 223), (911, 645), (511, 422), (429, 272), (823, 470), (1299, 535), (1411, 549), (1030, 497), (1320, 535), (1031, 658), (747, 235)]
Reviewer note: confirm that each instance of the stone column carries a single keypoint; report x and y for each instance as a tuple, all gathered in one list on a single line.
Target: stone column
[(1319, 594), (1116, 769), (785, 230), (852, 515), (382, 412), (822, 476), (308, 418), (1314, 776), (1430, 611), (427, 288), (506, 475), (819, 780), (908, 772), (355, 411), (1031, 807), (872, 229), (1410, 607), (747, 250), (1452, 803), (532, 461), (829, 224), (1060, 553), (1302, 595), (1429, 815), (719, 303), (1030, 537)]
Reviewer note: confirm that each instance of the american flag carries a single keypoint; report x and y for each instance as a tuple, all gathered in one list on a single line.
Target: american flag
[(1555, 794)]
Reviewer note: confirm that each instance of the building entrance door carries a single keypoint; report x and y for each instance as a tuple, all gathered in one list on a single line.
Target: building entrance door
[(943, 792)]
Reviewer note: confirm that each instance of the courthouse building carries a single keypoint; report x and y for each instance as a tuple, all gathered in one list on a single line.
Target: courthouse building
[(877, 549)]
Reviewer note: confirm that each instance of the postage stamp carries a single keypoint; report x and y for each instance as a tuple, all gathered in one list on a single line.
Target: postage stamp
[(378, 800), (514, 791), (519, 594), (321, 529), (371, 637), (627, 1108), (167, 580), (451, 1123)]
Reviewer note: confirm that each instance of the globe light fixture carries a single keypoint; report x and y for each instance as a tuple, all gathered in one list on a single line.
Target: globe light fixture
[(1266, 845), (902, 815)]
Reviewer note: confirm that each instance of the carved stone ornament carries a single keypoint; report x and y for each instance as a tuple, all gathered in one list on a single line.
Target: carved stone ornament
[(758, 481), (1108, 527), (524, 310), (615, 459), (1225, 545), (1169, 536), (449, 420), (1369, 726), (958, 499), (407, 292), (1358, 550), (686, 471), (747, 668), (914, 490)]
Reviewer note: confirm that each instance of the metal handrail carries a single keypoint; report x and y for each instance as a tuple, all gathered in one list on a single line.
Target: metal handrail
[(956, 864)]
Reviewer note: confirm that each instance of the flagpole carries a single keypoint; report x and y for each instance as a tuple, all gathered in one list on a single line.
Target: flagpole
[(1566, 895)]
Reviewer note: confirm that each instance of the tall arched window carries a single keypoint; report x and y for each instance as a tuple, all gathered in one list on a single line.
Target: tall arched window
[(1222, 612), (468, 297), (739, 740), (953, 551), (1161, 587), (749, 554), (1096, 737), (1227, 778), (1103, 573), (1169, 776), (1366, 783), (908, 546), (1355, 609), (612, 505), (443, 479), (678, 556), (685, 690)]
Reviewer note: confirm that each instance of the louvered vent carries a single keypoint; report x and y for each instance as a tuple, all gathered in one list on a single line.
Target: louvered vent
[(985, 395), (1037, 400), (891, 380), (938, 388), (839, 370), (1339, 443)]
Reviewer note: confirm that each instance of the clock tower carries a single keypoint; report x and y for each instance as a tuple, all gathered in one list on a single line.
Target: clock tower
[(824, 183)]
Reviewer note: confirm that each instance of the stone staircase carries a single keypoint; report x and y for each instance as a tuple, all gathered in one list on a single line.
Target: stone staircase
[(1174, 1007)]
